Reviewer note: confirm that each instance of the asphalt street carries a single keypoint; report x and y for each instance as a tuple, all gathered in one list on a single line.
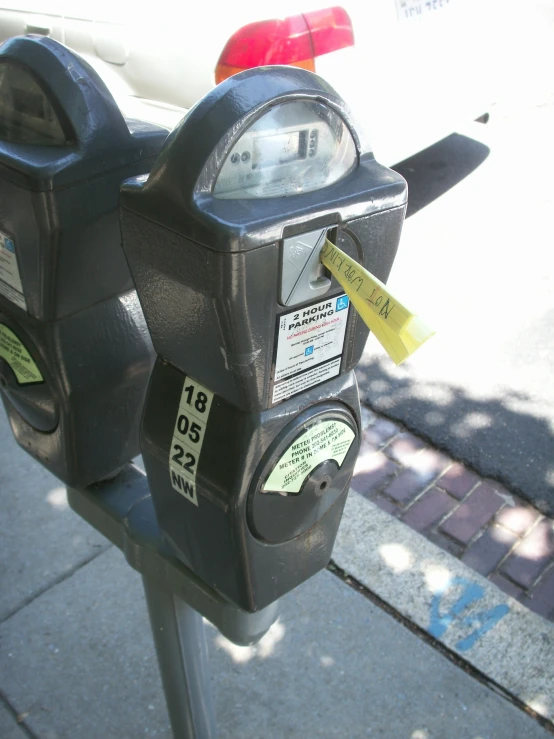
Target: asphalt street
[(476, 261)]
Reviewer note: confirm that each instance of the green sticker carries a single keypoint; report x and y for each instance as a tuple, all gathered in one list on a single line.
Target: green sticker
[(17, 356), (322, 441)]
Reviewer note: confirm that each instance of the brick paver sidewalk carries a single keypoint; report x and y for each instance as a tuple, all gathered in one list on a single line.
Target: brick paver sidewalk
[(479, 521)]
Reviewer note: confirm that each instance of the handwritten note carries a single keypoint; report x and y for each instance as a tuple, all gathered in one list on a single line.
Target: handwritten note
[(397, 329)]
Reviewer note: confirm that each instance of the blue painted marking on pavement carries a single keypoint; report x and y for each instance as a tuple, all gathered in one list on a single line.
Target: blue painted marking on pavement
[(440, 623), (471, 593), (485, 621)]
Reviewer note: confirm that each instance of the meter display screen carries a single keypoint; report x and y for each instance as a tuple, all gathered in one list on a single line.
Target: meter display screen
[(26, 114), (292, 148), (279, 149)]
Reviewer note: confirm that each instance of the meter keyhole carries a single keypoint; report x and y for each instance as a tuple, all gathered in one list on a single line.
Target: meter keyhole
[(322, 482)]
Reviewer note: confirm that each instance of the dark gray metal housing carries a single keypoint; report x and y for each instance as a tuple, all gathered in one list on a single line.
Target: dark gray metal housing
[(207, 270), (218, 299), (76, 313)]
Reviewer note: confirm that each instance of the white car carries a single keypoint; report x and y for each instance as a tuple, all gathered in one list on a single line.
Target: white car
[(411, 70)]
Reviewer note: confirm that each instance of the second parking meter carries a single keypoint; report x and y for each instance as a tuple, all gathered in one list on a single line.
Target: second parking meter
[(75, 353), (251, 425)]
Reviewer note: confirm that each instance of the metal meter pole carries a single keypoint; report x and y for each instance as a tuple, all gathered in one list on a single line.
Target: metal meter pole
[(122, 510), (182, 650)]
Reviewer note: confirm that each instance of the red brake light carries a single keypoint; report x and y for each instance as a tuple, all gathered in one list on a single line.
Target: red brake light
[(295, 40), (330, 29)]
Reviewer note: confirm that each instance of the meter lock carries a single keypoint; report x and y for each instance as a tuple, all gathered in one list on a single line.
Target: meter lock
[(304, 473)]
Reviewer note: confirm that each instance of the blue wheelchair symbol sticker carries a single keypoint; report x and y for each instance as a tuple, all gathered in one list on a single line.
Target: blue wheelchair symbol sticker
[(342, 302), (8, 243), (309, 351)]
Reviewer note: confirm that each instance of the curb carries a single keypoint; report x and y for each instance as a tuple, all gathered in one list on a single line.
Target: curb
[(491, 530), (501, 638)]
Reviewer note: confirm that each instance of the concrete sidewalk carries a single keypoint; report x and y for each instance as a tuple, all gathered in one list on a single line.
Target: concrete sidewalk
[(77, 659)]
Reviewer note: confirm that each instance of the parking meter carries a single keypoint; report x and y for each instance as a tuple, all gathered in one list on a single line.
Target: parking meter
[(75, 353), (251, 425)]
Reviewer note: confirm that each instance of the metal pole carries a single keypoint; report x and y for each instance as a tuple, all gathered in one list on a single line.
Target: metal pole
[(182, 650)]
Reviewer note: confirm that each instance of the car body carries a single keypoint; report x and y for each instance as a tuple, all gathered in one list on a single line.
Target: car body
[(414, 73)]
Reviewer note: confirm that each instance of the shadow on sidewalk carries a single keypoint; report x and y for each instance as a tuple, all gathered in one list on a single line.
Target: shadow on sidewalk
[(434, 171), (510, 446)]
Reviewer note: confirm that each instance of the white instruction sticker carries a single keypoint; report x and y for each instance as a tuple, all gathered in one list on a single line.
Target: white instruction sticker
[(10, 280), (188, 437), (309, 338), (322, 441), (304, 380)]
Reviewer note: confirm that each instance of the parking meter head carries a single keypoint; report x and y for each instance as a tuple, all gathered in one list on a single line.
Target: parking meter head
[(74, 349), (240, 201), (251, 425)]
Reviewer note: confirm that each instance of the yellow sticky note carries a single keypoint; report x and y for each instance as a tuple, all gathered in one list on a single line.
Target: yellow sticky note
[(397, 329)]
